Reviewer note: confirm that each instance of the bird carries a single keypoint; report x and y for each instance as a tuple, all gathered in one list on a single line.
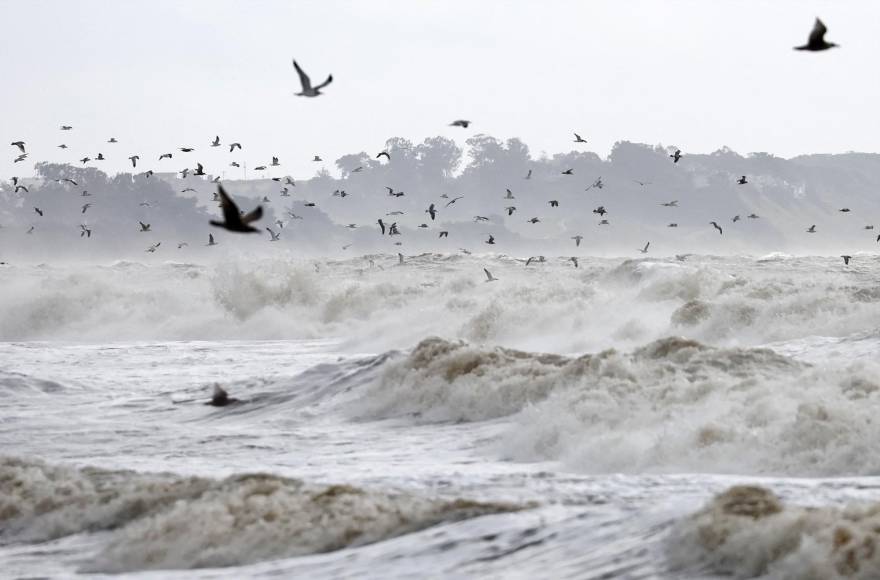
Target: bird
[(66, 127), (510, 209), (357, 169), (811, 229), (431, 211), (216, 142), (381, 225), (181, 244), (577, 240), (85, 231), (289, 181), (463, 123), (753, 216), (69, 180), (443, 234), (384, 154), (553, 203), (816, 41), (234, 164), (307, 89), (18, 187), (31, 230), (184, 172), (199, 169), (673, 203), (39, 211), (134, 160), (568, 172), (642, 183), (717, 227), (112, 140), (20, 158), (233, 220), (275, 237), (232, 146), (100, 157), (574, 261), (275, 162), (220, 398), (600, 210), (211, 241), (480, 218), (317, 158), (399, 258), (533, 220), (676, 156), (491, 240), (509, 195), (598, 184), (672, 225), (144, 227), (844, 210), (742, 180), (259, 168), (453, 200), (152, 248), (85, 207), (579, 139), (266, 199), (529, 174), (86, 193), (62, 146), (735, 218), (19, 144), (489, 276), (186, 149), (165, 156), (148, 173), (645, 249), (187, 189), (846, 260), (85, 160)]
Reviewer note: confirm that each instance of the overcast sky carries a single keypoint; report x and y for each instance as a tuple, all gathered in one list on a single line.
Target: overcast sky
[(159, 75)]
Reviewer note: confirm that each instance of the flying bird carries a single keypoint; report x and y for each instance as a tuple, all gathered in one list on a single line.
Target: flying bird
[(577, 240), (460, 123), (62, 146), (553, 203), (20, 187), (431, 211), (742, 180), (568, 172), (152, 248), (85, 207), (489, 276), (579, 139), (673, 203), (381, 225), (676, 156), (134, 160), (453, 200), (645, 249), (144, 227), (811, 229), (491, 240), (66, 127), (510, 209), (816, 40), (529, 174), (384, 154), (574, 261), (20, 145), (211, 241), (233, 220), (165, 156), (717, 227), (216, 142), (112, 140), (39, 211), (85, 231), (317, 158), (232, 146), (199, 169), (186, 149), (275, 237), (307, 89), (846, 260)]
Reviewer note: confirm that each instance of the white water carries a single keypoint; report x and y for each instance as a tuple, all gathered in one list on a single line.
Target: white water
[(382, 452)]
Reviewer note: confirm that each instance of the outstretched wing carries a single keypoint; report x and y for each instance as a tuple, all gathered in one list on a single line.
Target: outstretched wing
[(818, 33), (325, 83), (488, 275), (230, 210), (253, 215), (304, 78)]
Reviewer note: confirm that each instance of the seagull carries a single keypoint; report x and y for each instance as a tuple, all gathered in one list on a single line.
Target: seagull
[(597, 184), (381, 225), (152, 248), (144, 227), (735, 218), (577, 240), (317, 158), (645, 249), (642, 183), (453, 200), (216, 142), (509, 195), (479, 218), (510, 209), (181, 244), (357, 169), (85, 207), (846, 260), (112, 140), (266, 199), (574, 261), (672, 225), (811, 229), (85, 160), (384, 154), (399, 258), (85, 231), (553, 203), (307, 89), (184, 172), (100, 157), (234, 164), (199, 169), (534, 220), (460, 123), (148, 173), (568, 172), (17, 187), (186, 149), (19, 144), (431, 211), (66, 127), (285, 192), (600, 210), (211, 241), (259, 168), (275, 237), (844, 210), (289, 181), (233, 220), (540, 259), (673, 203), (31, 230), (753, 216), (742, 180), (529, 174), (491, 240), (62, 146), (676, 156), (232, 146), (39, 211), (392, 230), (21, 157), (165, 156), (579, 139), (443, 234), (816, 40), (68, 180), (134, 159), (187, 189), (717, 227), (489, 276), (86, 193)]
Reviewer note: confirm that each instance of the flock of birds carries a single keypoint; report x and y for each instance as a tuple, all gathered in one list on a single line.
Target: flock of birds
[(235, 220)]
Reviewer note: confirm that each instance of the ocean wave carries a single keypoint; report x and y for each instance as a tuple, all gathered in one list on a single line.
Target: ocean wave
[(671, 405), (748, 532), (165, 521)]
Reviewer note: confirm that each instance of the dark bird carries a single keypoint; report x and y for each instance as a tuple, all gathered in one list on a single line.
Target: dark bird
[(187, 189), (69, 180), (274, 162), (384, 154), (844, 210), (186, 149), (392, 230), (85, 207), (676, 156), (600, 210), (597, 184), (574, 261), (489, 276), (529, 174), (510, 209), (100, 157), (717, 227), (568, 172), (443, 234), (811, 229), (753, 216), (234, 164), (66, 127), (184, 172), (579, 139), (259, 168), (381, 225), (673, 225), (480, 218), (165, 156), (275, 237), (216, 142), (491, 240), (534, 220), (211, 241), (553, 203), (357, 169), (181, 244), (220, 398), (742, 180), (20, 187), (577, 240), (134, 160), (816, 41), (112, 140), (453, 200), (39, 211), (232, 146), (85, 231), (431, 211), (199, 169), (85, 160), (509, 195), (62, 146), (645, 249), (144, 227), (846, 260), (307, 89), (233, 220), (31, 230), (673, 203), (152, 249), (642, 183), (289, 181), (460, 123), (317, 158), (20, 145), (148, 173), (20, 158), (735, 218)]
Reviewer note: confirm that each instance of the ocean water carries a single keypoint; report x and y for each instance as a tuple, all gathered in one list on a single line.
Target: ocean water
[(710, 417)]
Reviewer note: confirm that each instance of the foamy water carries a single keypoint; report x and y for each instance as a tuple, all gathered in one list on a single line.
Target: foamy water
[(412, 420)]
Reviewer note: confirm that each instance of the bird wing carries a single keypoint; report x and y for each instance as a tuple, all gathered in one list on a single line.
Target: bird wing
[(325, 83), (818, 33), (252, 216), (488, 275), (303, 78), (230, 210)]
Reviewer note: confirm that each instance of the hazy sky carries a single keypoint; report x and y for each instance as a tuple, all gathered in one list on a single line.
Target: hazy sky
[(159, 75)]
